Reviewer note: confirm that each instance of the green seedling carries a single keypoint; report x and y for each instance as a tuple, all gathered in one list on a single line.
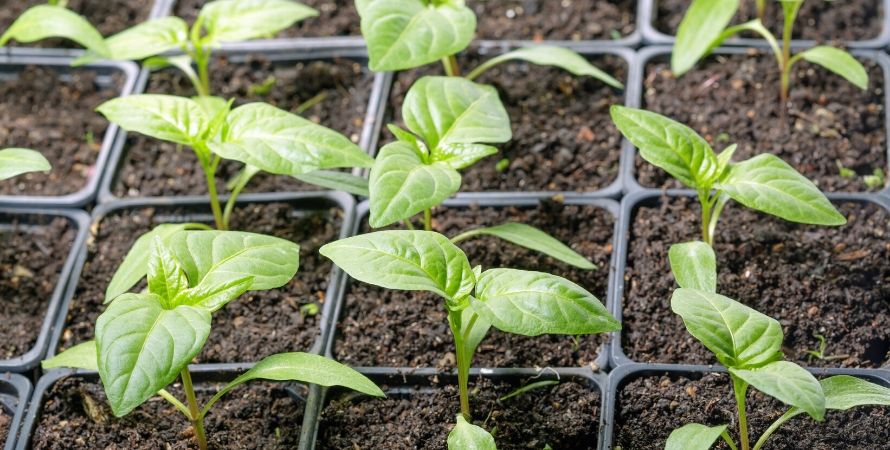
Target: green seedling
[(18, 161), (819, 353), (514, 301), (876, 179), (145, 340), (764, 183)]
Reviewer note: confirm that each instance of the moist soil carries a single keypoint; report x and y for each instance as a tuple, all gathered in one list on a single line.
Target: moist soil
[(564, 20), (563, 416), (55, 115), (563, 137), (833, 282), (335, 18), (651, 406), (410, 329), (734, 99), (849, 20), (154, 168), (31, 260), (255, 416), (5, 423), (255, 325)]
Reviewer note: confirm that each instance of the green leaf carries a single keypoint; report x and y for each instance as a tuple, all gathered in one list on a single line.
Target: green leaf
[(768, 184), (739, 336), (166, 117), (534, 303), (694, 265), (549, 55), (839, 62), (789, 383), (402, 34), (843, 392), (466, 436), (165, 277), (724, 159), (402, 184), (47, 21), (142, 347), (81, 356), (241, 20), (148, 38), (703, 23), (694, 436), (461, 156), (338, 181), (213, 297), (533, 239), (668, 144), (16, 161), (406, 260)]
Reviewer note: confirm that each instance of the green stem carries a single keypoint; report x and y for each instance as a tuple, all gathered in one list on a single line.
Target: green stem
[(175, 402), (705, 216), (244, 178), (775, 426), (210, 178), (463, 374), (740, 388), (451, 67), (790, 15), (196, 418), (726, 437), (427, 220), (761, 9), (318, 98), (720, 201), (408, 224)]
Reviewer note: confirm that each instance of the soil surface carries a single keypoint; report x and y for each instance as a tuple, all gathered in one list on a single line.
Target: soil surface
[(253, 416), (31, 260), (849, 20), (54, 114), (335, 18), (833, 282), (154, 168), (650, 407), (255, 325), (564, 416), (734, 99), (565, 20), (410, 329), (563, 137), (5, 423)]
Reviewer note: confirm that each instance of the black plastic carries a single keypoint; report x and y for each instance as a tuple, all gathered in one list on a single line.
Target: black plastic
[(15, 391)]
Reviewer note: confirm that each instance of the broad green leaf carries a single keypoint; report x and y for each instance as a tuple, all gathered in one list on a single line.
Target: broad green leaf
[(47, 21), (668, 144), (789, 383), (165, 117), (81, 356), (213, 297), (739, 336), (461, 156), (843, 392), (339, 181), (694, 265), (142, 347), (402, 184), (839, 62), (549, 55), (241, 20), (704, 21), (531, 238), (724, 159), (534, 303), (16, 161), (694, 436), (466, 436), (165, 278), (768, 184), (406, 260), (146, 39), (402, 34)]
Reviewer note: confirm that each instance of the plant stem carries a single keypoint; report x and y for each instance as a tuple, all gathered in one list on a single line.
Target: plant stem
[(761, 9), (210, 177), (175, 402), (740, 388), (427, 220), (463, 362), (790, 15), (196, 418), (451, 67), (318, 98), (705, 216), (244, 178), (775, 426)]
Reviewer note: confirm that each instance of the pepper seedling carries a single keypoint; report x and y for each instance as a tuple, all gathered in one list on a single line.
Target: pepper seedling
[(705, 26), (259, 135), (18, 161), (514, 301), (218, 22), (145, 340), (749, 344), (764, 183)]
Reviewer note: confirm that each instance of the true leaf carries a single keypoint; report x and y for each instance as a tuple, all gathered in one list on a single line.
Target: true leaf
[(340, 181), (843, 392), (149, 38), (241, 20), (466, 436), (839, 62), (531, 238), (166, 117), (461, 156), (694, 436), (214, 297), (81, 356), (46, 21), (165, 277), (702, 24), (789, 383), (694, 265), (16, 161), (549, 55)]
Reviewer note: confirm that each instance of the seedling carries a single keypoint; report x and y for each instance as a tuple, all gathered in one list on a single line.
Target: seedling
[(749, 344), (259, 135), (764, 183), (705, 27), (17, 161), (145, 340), (514, 301)]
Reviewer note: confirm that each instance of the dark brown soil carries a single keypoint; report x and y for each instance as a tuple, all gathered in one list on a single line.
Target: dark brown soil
[(650, 407), (410, 329), (734, 99), (563, 416), (820, 20), (254, 416), (335, 18), (255, 325), (54, 115), (834, 282), (5, 423), (563, 138), (31, 260), (572, 20), (155, 168)]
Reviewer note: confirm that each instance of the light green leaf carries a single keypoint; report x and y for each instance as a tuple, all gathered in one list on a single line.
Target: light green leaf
[(789, 383), (338, 181), (694, 436), (549, 55), (724, 159), (466, 436), (81, 356), (704, 21), (739, 336), (47, 21), (694, 265), (16, 161), (142, 347), (768, 184), (668, 144), (241, 20), (473, 337), (406, 260), (402, 34), (165, 277), (167, 117), (213, 297), (461, 156), (181, 62), (148, 38), (839, 62), (534, 303), (843, 392), (531, 238)]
